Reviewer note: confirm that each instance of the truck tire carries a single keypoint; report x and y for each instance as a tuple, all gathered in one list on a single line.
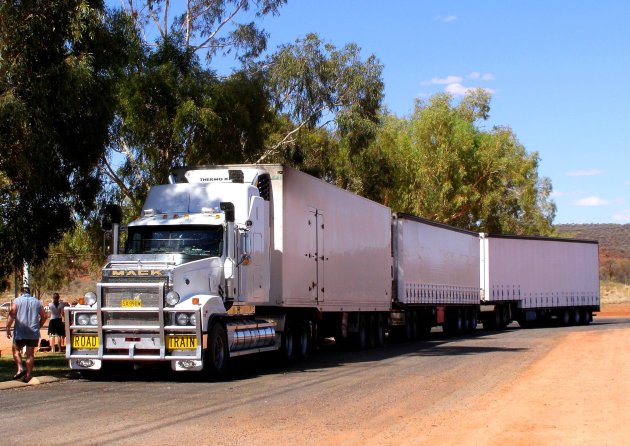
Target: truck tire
[(217, 355), (360, 337), (303, 341), (466, 320), (576, 317), (288, 344), (588, 316), (411, 325), (564, 317)]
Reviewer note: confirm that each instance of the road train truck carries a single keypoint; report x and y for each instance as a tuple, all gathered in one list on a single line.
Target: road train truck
[(234, 260)]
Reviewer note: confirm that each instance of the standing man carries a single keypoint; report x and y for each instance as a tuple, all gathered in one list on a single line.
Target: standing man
[(29, 316)]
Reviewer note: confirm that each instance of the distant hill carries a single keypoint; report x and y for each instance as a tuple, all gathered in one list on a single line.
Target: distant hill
[(614, 247)]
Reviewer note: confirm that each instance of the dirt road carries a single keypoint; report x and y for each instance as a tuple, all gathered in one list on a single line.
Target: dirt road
[(566, 386)]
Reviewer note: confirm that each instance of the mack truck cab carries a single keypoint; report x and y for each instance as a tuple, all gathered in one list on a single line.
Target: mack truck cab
[(195, 263)]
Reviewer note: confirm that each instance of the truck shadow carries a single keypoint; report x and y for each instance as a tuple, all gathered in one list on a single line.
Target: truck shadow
[(330, 355)]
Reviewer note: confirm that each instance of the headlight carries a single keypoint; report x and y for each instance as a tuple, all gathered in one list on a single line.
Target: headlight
[(193, 319), (182, 318), (83, 319), (172, 298), (93, 320), (90, 298)]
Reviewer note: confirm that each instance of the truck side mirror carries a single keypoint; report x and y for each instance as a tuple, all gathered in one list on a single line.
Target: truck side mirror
[(112, 215), (228, 208)]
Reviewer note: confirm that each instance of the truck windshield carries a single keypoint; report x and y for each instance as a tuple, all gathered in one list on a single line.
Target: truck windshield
[(206, 241)]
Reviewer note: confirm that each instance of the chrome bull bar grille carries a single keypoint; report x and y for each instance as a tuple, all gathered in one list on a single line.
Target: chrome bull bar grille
[(132, 324), (131, 299)]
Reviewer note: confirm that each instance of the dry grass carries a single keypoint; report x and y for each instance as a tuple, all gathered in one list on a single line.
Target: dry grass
[(613, 293)]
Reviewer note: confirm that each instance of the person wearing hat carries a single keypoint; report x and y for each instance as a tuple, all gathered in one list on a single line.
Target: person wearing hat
[(29, 316)]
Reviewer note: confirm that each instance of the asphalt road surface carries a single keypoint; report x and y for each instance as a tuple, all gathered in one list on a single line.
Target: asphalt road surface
[(404, 393)]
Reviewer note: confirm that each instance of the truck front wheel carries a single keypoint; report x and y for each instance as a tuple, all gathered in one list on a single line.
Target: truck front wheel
[(217, 354)]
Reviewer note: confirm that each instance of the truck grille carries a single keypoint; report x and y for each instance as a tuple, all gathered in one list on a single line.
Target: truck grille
[(131, 318), (134, 298), (117, 297)]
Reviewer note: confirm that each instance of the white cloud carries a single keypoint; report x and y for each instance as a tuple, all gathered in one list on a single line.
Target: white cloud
[(456, 89), (585, 173), (443, 80), (623, 215), (557, 193), (481, 76), (445, 19), (453, 84), (591, 201)]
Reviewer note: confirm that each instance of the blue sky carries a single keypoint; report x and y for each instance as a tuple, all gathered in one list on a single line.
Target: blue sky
[(559, 72)]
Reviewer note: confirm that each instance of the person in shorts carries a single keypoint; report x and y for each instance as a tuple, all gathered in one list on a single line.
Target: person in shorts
[(29, 316), (56, 326)]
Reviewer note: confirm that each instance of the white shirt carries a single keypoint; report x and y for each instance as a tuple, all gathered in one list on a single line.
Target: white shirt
[(56, 311)]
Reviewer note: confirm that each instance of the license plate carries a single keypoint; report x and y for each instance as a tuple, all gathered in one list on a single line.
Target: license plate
[(84, 341), (181, 342), (130, 303)]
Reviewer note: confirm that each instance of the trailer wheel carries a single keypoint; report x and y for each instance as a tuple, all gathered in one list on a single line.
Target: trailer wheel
[(465, 320), (288, 347), (588, 317), (576, 318), (360, 337), (565, 317), (303, 341), (498, 319), (453, 324), (217, 354)]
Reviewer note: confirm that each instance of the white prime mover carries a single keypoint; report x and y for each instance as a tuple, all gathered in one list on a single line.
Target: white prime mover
[(538, 279), (436, 276), (233, 260)]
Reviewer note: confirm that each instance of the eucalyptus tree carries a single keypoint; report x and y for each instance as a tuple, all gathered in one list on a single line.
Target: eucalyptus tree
[(444, 167), (173, 109), (58, 64), (324, 94)]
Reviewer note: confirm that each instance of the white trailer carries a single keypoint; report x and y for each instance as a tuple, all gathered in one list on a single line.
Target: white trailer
[(330, 260), (538, 280), (436, 276)]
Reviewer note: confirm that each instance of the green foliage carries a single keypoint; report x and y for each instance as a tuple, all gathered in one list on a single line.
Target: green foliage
[(440, 165), (74, 255), (315, 84), (58, 62), (206, 26), (174, 112), (48, 364)]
